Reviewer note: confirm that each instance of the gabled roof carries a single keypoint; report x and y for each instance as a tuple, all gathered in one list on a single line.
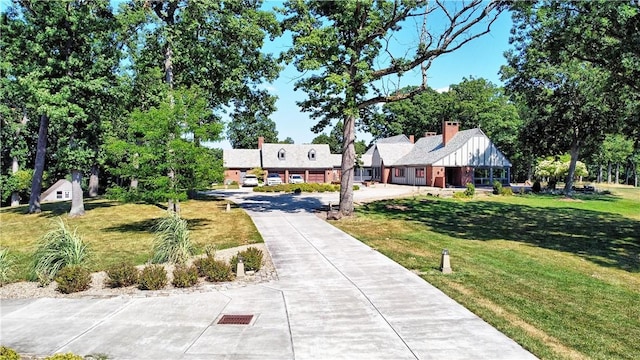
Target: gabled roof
[(336, 159), (390, 153), (398, 139), (367, 160), (296, 156), (241, 158), (430, 149), (54, 187)]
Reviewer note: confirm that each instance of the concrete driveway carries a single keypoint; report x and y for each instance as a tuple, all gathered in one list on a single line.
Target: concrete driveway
[(336, 298)]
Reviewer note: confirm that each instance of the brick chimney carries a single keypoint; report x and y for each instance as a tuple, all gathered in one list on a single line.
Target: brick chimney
[(412, 138), (260, 142), (449, 130)]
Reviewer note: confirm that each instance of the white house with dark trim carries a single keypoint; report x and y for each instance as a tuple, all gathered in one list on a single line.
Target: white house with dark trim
[(453, 158), (60, 191)]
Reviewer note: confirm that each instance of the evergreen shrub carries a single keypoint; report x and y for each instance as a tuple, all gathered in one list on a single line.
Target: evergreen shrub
[(73, 278), (251, 257), (152, 277), (184, 277), (122, 275)]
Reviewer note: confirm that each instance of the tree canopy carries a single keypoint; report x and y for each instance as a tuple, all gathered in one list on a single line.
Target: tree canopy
[(346, 48), (573, 101)]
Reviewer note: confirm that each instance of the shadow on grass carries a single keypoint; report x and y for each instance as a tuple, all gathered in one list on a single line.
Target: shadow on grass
[(606, 239), (146, 226), (55, 209)]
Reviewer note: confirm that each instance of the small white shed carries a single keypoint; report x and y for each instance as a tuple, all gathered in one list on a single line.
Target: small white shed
[(60, 191)]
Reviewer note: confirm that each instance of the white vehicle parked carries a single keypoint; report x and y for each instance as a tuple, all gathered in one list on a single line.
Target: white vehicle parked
[(250, 180), (273, 179), (296, 179)]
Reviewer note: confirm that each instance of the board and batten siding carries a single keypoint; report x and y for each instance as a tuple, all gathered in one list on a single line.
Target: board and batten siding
[(479, 151), (409, 177)]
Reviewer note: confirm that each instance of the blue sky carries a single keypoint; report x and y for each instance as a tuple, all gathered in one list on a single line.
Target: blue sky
[(481, 58)]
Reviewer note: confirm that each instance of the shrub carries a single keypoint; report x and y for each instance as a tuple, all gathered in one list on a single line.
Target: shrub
[(67, 356), (470, 191), (536, 187), (251, 257), (497, 187), (122, 275), (58, 248), (214, 270), (8, 353), (6, 266), (172, 242), (506, 191), (73, 278), (152, 277), (460, 195), (184, 277)]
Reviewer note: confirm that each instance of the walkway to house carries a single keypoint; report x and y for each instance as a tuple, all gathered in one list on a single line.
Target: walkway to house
[(335, 298)]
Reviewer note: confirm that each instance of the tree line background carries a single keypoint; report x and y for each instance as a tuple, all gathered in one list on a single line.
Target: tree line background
[(123, 100)]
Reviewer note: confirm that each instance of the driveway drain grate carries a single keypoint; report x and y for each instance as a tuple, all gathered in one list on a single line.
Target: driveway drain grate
[(235, 319)]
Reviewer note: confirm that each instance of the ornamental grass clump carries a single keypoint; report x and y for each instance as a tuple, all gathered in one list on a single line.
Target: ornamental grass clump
[(58, 248), (172, 242), (6, 266)]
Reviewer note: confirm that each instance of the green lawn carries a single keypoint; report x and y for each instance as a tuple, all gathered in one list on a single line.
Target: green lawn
[(122, 232), (561, 277)]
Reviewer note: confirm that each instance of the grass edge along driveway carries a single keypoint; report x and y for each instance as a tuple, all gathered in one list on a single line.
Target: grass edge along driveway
[(559, 276), (117, 232)]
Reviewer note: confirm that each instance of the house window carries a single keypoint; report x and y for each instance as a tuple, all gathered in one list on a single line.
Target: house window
[(66, 195), (281, 154), (399, 172), (420, 172), (312, 154), (58, 194)]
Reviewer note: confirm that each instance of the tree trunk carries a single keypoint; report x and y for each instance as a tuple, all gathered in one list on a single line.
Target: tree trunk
[(94, 181), (136, 165), (575, 152), (617, 173), (77, 204), (348, 162), (15, 162), (38, 170), (599, 180), (609, 173), (15, 197), (172, 204)]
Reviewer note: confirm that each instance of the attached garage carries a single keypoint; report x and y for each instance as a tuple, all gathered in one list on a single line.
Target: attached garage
[(280, 174), (316, 177)]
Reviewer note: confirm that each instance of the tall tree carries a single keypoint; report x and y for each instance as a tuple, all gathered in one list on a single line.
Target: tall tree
[(66, 62), (573, 101), (414, 116), (616, 150), (213, 45), (347, 47), (480, 103), (251, 121)]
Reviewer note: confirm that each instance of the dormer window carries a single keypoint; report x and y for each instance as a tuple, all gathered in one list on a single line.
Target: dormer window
[(282, 154), (312, 154)]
